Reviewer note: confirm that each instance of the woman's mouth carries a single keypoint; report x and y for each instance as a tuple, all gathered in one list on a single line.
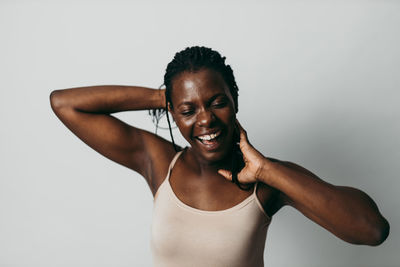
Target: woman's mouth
[(210, 140)]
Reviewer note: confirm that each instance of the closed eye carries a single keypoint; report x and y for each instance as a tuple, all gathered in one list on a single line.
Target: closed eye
[(187, 112), (219, 103)]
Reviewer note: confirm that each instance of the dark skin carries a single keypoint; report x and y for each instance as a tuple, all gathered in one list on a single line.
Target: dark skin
[(201, 105)]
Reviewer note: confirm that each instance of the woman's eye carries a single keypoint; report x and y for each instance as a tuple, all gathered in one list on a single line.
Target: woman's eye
[(219, 104), (186, 112)]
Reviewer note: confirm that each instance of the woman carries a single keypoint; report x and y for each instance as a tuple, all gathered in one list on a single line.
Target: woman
[(200, 217)]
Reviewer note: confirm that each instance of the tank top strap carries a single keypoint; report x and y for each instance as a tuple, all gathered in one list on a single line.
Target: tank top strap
[(173, 161), (255, 189), (171, 165)]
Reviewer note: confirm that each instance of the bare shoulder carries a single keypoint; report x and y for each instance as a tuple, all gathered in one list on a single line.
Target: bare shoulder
[(159, 154), (270, 198)]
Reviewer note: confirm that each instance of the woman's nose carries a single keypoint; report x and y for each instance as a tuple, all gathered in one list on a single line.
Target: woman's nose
[(205, 118)]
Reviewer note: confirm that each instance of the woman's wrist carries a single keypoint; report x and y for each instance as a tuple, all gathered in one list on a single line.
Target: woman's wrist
[(161, 98), (264, 170), (143, 98)]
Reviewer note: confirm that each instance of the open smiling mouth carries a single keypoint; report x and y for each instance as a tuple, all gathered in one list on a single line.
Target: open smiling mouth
[(211, 141)]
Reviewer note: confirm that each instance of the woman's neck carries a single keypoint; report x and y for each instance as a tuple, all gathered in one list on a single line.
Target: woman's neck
[(203, 166)]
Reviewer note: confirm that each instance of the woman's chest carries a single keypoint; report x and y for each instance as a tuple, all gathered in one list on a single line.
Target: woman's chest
[(215, 193), (181, 230)]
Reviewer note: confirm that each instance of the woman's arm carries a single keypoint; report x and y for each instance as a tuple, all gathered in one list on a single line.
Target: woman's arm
[(348, 213), (86, 112)]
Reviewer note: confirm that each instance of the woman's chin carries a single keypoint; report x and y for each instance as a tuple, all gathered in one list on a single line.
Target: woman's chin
[(212, 152)]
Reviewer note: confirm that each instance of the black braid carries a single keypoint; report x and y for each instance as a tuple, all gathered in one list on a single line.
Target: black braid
[(193, 59), (170, 128)]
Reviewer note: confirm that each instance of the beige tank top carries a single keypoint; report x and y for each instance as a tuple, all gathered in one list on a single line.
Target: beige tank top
[(183, 236)]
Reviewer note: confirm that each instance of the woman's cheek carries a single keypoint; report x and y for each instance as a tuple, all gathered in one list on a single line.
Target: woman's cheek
[(227, 115), (185, 126)]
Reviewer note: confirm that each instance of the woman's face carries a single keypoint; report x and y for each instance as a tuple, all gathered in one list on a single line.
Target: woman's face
[(204, 112)]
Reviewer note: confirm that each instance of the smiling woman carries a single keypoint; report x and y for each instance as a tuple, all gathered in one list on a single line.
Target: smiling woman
[(203, 109), (203, 213), (201, 71)]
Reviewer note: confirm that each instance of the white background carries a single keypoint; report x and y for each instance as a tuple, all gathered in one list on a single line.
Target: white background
[(319, 86)]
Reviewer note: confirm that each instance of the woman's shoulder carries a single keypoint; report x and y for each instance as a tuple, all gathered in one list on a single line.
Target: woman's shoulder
[(270, 198), (160, 155)]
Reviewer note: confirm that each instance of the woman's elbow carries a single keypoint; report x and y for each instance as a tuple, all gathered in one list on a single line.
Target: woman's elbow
[(370, 234), (55, 99), (59, 99), (379, 233)]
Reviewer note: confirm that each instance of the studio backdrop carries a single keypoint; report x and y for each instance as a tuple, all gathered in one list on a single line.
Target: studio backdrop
[(318, 85)]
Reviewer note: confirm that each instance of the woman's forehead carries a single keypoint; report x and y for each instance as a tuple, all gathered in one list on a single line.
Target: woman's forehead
[(200, 84)]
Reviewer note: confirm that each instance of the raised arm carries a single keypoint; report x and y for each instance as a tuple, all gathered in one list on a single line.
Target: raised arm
[(347, 212), (86, 111)]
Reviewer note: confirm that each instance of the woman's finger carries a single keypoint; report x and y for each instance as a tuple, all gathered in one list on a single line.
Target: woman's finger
[(226, 174)]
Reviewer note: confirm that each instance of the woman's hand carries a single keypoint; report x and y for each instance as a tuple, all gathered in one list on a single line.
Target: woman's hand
[(254, 161)]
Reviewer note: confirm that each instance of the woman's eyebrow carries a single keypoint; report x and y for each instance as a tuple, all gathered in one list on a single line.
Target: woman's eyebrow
[(184, 103), (216, 96), (208, 101)]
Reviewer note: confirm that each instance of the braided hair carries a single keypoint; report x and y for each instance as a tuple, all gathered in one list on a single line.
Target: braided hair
[(193, 59)]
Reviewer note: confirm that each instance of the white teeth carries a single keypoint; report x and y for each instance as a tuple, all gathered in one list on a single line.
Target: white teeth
[(208, 137)]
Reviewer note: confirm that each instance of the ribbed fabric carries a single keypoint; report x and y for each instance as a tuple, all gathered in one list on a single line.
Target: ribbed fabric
[(183, 236)]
